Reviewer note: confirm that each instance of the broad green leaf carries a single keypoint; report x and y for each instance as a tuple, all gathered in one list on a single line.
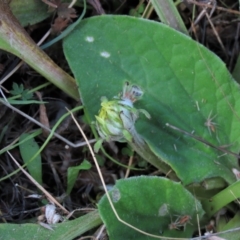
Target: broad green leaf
[(29, 12), (150, 204), (73, 172), (184, 85), (63, 231), (28, 149)]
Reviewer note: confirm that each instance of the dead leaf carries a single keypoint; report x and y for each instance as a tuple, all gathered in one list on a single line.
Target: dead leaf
[(66, 13), (59, 25)]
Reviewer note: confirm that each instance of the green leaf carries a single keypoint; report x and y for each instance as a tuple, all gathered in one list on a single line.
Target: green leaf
[(63, 231), (26, 95), (183, 83), (150, 204), (28, 149), (97, 145), (232, 224), (17, 89), (73, 172), (221, 199), (138, 11), (29, 12)]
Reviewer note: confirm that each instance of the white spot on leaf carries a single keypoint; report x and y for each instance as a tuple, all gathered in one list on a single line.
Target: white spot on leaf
[(116, 195), (89, 39), (163, 210), (105, 54)]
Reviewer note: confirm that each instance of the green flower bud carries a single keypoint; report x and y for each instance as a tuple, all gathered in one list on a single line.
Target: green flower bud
[(116, 118)]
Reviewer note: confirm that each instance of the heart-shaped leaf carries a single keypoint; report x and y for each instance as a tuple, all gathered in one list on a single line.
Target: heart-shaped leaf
[(185, 85)]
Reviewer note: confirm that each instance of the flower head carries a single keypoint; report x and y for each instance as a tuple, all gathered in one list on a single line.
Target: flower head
[(116, 118)]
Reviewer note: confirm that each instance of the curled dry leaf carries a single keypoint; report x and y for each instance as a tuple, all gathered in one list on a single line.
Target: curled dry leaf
[(65, 12), (59, 25), (65, 16)]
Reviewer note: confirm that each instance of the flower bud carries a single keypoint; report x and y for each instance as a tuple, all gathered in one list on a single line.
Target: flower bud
[(116, 118)]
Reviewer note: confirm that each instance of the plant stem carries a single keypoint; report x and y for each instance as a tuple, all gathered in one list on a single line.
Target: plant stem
[(14, 39)]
